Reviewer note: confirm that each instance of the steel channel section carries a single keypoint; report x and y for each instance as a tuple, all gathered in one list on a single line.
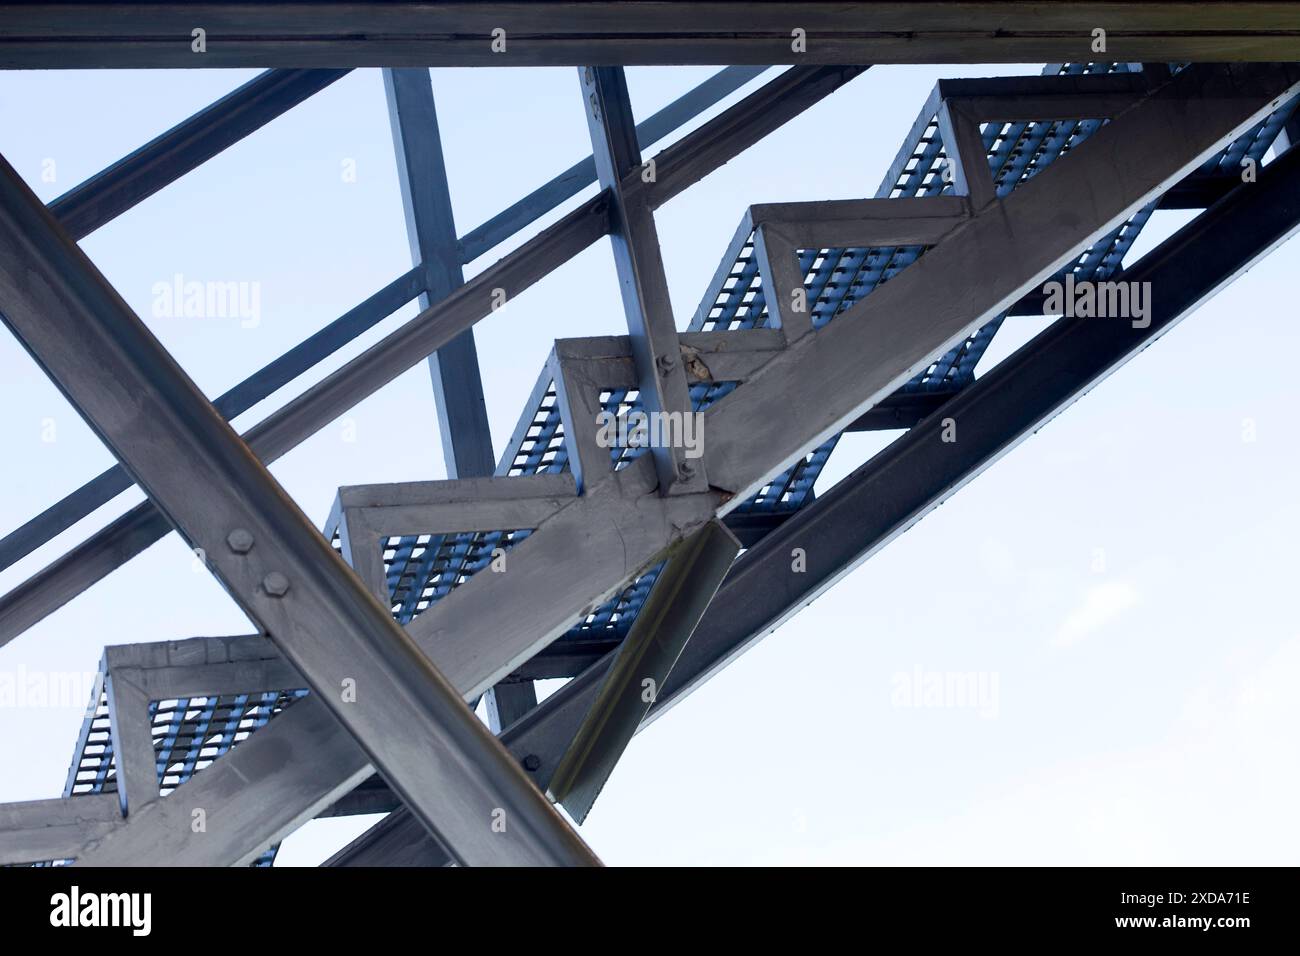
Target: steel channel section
[(624, 32), (642, 282), (641, 666)]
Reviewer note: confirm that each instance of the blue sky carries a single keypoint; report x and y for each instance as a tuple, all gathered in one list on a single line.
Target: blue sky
[(1126, 573)]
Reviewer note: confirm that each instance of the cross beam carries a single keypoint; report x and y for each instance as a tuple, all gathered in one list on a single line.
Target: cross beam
[(617, 32)]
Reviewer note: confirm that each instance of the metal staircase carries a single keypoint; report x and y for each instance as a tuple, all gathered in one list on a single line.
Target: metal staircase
[(821, 318)]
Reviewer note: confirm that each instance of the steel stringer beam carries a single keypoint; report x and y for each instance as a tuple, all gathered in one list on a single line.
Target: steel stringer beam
[(265, 551), (185, 147), (680, 165), (641, 665), (45, 35), (910, 478)]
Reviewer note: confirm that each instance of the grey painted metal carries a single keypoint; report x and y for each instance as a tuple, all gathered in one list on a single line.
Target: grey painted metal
[(133, 753), (1045, 97), (680, 165), (463, 504), (38, 831), (569, 33), (888, 494), (507, 702), (203, 477), (431, 229), (967, 159), (644, 286), (863, 222), (185, 147), (195, 667), (641, 666)]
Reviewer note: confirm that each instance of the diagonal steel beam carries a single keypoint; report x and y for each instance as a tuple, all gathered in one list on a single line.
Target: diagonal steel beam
[(909, 479), (185, 147), (450, 771), (641, 665), (583, 173), (661, 379)]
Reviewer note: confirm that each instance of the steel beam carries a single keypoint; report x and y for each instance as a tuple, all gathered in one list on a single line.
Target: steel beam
[(680, 165), (646, 303), (906, 481), (607, 32), (507, 702), (264, 550), (40, 831), (186, 146), (582, 174), (641, 666), (133, 753), (431, 230)]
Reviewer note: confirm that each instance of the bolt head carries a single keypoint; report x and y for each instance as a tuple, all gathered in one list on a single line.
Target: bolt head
[(666, 363), (275, 584), (532, 763), (240, 541), (686, 471)]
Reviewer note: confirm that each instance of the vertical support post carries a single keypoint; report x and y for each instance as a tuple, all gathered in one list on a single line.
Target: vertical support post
[(426, 197), (965, 149), (579, 402), (661, 376), (787, 299), (128, 714), (431, 229)]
